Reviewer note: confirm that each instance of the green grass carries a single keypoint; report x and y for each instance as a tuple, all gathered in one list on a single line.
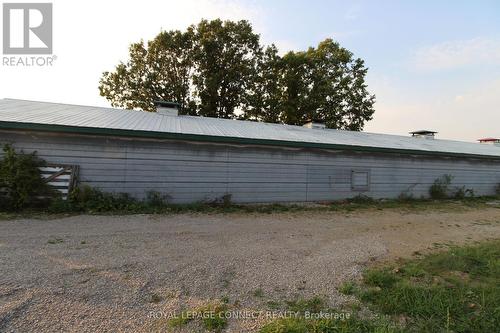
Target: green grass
[(299, 322), (211, 317), (180, 321), (314, 305), (381, 278), (123, 205), (55, 241), (351, 325), (347, 288), (457, 290), (155, 298), (258, 293), (274, 305), (453, 291)]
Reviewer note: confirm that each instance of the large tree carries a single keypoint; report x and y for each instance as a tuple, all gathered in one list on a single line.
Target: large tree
[(338, 94), (323, 84), (226, 54), (161, 71), (219, 69), (206, 69), (265, 93)]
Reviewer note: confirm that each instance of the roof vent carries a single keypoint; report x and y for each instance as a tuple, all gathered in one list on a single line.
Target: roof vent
[(490, 141), (425, 134), (167, 108), (315, 124)]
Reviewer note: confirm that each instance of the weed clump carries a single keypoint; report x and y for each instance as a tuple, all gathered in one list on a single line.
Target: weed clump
[(347, 288), (462, 193), (439, 189), (362, 199), (21, 184)]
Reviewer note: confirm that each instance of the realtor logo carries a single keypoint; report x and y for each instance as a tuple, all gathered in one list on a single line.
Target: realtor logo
[(27, 28)]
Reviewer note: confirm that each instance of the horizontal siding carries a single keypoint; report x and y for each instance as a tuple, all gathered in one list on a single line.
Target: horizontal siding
[(195, 152), (188, 172)]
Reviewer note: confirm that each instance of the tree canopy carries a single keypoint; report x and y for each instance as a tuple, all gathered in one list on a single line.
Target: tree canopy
[(219, 69)]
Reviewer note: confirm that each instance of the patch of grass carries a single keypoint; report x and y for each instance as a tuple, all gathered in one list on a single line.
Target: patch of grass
[(381, 278), (457, 290), (411, 270), (32, 213), (362, 199), (413, 205), (180, 321), (155, 298), (313, 305), (227, 277), (55, 241), (351, 325), (216, 321), (274, 305), (347, 288), (210, 316), (90, 200), (314, 316), (226, 283), (451, 291), (258, 293), (8, 216)]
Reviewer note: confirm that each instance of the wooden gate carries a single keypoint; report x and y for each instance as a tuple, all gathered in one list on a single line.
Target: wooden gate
[(61, 177)]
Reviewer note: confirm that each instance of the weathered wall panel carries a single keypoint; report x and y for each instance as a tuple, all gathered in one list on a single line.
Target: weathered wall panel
[(190, 171)]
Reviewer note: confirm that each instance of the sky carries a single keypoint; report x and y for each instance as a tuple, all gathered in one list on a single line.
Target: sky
[(432, 64)]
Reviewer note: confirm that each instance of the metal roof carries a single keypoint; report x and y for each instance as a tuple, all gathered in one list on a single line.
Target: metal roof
[(43, 116)]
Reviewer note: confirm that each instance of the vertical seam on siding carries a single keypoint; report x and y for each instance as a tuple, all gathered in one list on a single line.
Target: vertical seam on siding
[(308, 154), (125, 176), (227, 170)]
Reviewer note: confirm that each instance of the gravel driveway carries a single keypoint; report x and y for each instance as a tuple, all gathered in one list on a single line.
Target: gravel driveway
[(108, 273)]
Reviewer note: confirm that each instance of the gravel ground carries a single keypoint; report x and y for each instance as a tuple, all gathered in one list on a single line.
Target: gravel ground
[(109, 273)]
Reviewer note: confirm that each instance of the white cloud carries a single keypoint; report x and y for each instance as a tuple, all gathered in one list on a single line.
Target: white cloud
[(455, 54)]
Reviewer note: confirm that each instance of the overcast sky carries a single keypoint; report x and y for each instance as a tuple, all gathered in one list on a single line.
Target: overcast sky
[(433, 64)]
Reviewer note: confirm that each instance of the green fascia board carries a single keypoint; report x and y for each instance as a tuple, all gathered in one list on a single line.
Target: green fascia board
[(226, 139)]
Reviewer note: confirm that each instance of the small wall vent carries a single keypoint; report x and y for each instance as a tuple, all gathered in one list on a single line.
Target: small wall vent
[(360, 180)]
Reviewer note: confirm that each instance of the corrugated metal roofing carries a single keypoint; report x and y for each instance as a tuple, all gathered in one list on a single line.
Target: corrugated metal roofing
[(43, 115)]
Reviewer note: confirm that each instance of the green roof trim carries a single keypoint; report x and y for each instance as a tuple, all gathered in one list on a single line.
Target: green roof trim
[(225, 139)]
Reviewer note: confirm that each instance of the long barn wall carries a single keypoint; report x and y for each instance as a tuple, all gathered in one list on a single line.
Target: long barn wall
[(190, 171)]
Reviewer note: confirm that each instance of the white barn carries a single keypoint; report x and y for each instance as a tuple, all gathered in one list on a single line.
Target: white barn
[(201, 159)]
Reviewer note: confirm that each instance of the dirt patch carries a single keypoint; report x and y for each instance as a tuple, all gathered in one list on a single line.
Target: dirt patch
[(101, 273)]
